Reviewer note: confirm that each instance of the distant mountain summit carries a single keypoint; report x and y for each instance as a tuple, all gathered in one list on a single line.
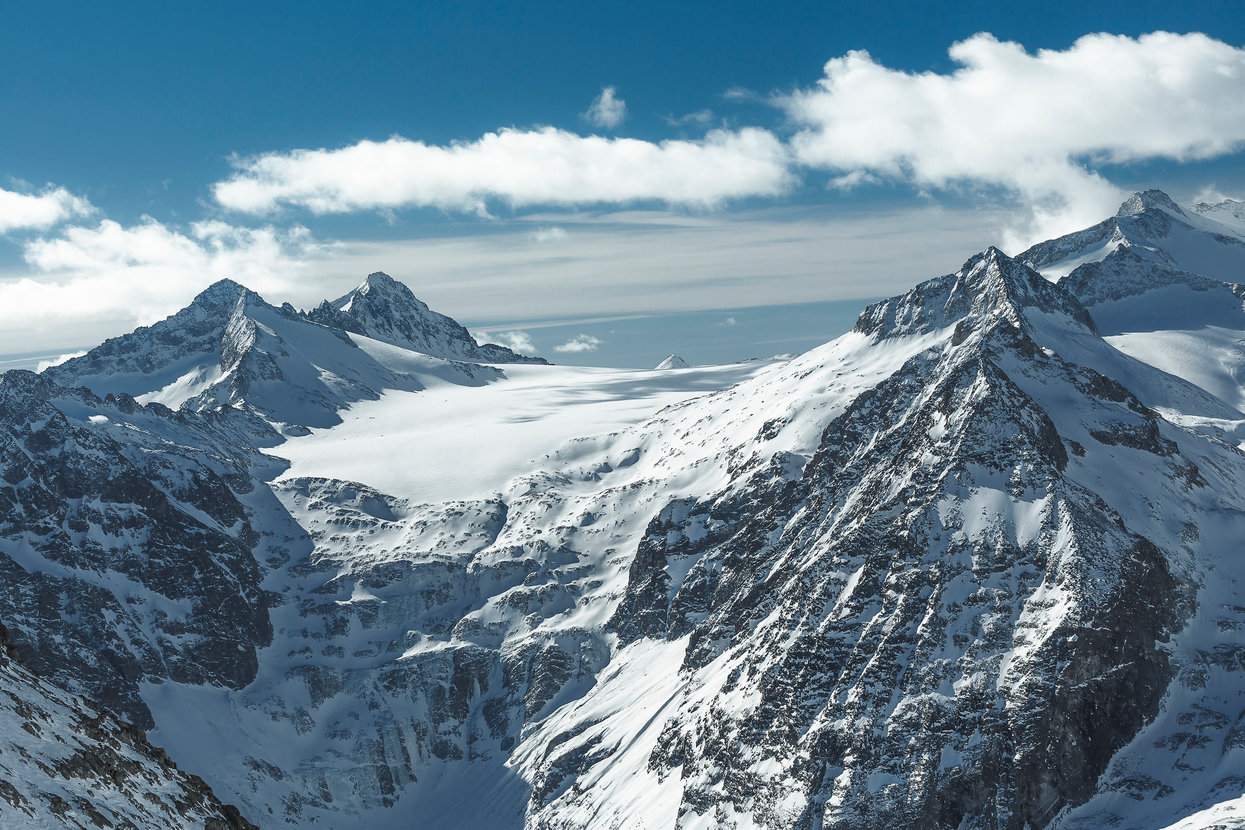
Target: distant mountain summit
[(1230, 212), (1149, 226), (672, 362), (1164, 284), (384, 309), (230, 347)]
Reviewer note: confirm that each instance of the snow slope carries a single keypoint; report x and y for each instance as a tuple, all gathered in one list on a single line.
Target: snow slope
[(462, 442)]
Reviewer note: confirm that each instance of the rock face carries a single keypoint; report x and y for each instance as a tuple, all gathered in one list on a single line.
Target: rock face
[(967, 566), (384, 309), (65, 762), (124, 545)]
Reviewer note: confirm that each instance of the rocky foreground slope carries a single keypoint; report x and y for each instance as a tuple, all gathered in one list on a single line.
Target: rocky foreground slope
[(65, 762), (969, 565)]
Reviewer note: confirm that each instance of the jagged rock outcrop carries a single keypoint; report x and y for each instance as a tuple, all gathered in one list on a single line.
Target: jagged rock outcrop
[(943, 613)]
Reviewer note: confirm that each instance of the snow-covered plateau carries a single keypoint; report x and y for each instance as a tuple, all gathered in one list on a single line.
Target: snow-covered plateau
[(974, 564)]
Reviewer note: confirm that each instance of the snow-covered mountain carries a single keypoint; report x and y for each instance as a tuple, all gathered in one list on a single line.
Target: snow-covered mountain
[(384, 309), (1230, 212), (230, 347), (968, 565), (1163, 285)]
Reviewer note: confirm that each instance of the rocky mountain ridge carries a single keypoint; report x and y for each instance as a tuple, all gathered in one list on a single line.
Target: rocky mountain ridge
[(229, 347)]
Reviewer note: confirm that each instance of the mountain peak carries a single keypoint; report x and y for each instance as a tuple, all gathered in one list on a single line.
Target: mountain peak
[(378, 279), (383, 308), (222, 292), (1148, 200), (989, 285), (672, 361), (221, 298)]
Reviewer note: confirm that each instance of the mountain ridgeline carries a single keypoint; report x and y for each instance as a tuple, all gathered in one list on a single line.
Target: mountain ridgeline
[(973, 564)]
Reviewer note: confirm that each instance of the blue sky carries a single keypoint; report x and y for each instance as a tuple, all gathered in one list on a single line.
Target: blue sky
[(162, 140)]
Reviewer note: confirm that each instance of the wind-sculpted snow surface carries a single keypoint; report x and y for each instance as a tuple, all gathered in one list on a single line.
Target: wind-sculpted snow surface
[(966, 566)]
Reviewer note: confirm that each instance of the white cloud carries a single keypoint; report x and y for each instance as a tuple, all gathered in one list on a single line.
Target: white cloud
[(607, 109), (550, 234), (579, 343), (90, 281), (1030, 123), (29, 211), (519, 341), (58, 360), (1210, 195), (729, 321), (520, 168)]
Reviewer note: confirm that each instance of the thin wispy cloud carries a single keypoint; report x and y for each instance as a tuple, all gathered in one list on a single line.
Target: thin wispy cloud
[(579, 343), (1035, 124), (1211, 195), (518, 168), (700, 118), (37, 211), (58, 360), (607, 110)]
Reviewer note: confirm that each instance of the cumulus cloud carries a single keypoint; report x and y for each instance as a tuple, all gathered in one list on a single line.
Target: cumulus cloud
[(518, 340), (517, 167), (607, 110), (1033, 124), (137, 274), (579, 343), (36, 211)]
